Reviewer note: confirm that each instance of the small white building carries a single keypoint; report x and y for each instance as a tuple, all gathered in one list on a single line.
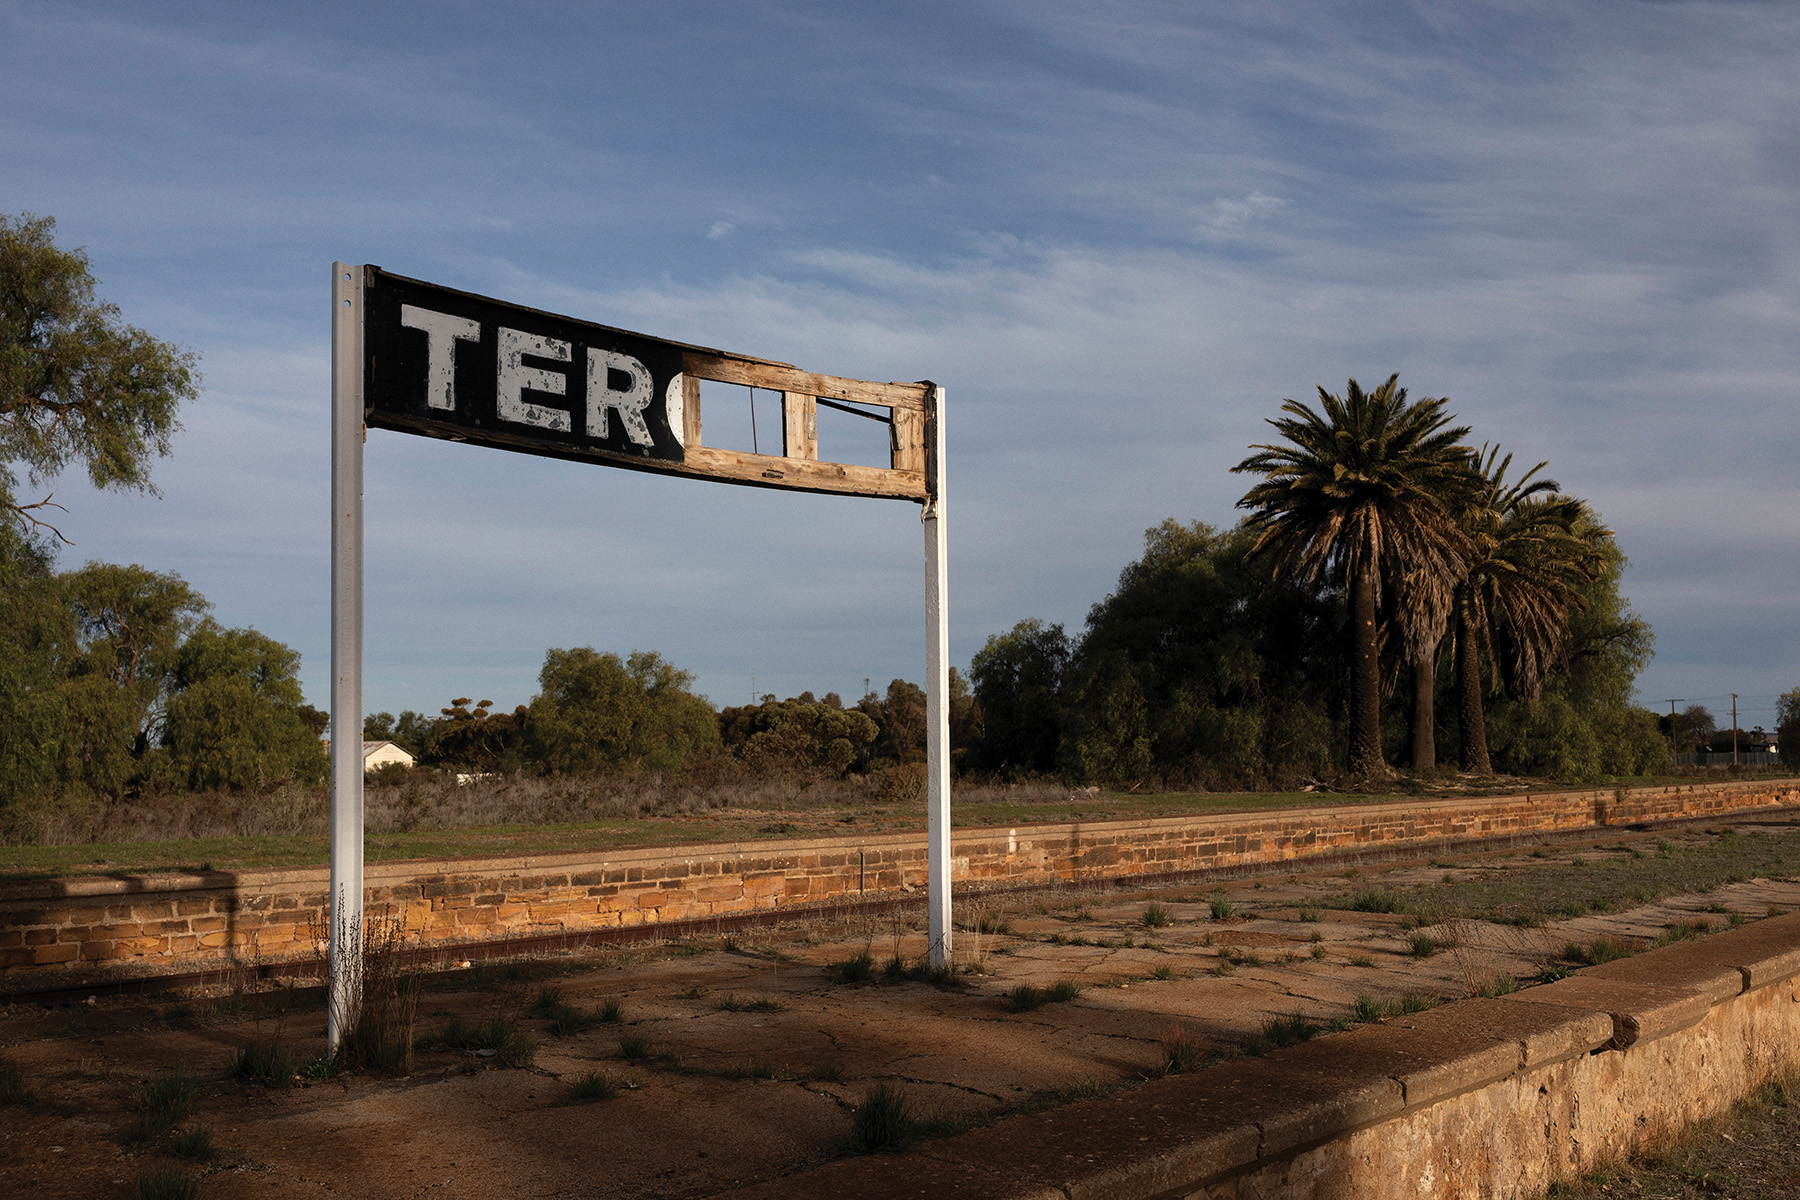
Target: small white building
[(380, 754)]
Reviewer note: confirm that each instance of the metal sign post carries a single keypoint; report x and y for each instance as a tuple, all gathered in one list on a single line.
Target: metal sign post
[(418, 358), (344, 994)]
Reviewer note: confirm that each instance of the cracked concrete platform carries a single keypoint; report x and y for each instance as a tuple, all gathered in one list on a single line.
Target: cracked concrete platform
[(749, 1059)]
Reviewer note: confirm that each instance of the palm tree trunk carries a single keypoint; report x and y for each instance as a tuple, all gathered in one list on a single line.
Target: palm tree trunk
[(1471, 720), (1424, 724), (1365, 679)]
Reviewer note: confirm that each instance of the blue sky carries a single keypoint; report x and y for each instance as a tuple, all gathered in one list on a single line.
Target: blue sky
[(1119, 233)]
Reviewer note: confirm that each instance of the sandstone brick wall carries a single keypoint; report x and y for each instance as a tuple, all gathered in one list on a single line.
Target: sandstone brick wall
[(78, 929), (1497, 1098)]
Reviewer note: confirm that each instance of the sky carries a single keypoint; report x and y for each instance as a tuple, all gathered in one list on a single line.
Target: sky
[(1118, 232)]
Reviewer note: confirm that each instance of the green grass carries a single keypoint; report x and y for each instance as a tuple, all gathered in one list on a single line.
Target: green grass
[(1220, 907), (1156, 916), (198, 855), (1289, 1030), (1600, 950), (1027, 996), (884, 1122), (164, 1101), (510, 1045), (165, 1182), (13, 1088), (595, 1085), (731, 1003), (266, 1062), (1530, 896), (1376, 900), (194, 1144), (858, 968), (1182, 1051)]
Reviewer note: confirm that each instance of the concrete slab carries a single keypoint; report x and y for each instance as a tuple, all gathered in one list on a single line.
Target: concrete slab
[(1640, 1011), (1103, 1150), (884, 1177), (1544, 1033), (1426, 1065)]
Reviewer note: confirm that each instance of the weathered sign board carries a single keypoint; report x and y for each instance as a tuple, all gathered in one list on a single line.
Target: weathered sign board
[(452, 364), (418, 358)]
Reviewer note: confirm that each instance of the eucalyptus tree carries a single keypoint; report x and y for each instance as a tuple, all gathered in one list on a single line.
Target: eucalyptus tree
[(77, 385), (1364, 492), (1530, 552)]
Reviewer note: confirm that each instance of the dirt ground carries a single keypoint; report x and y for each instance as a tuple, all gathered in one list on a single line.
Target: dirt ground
[(741, 1060)]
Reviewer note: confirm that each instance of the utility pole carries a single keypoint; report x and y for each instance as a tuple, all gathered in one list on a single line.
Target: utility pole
[(1674, 746), (1734, 752)]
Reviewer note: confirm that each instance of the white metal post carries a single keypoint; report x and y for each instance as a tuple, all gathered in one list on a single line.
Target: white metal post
[(937, 688), (344, 987)]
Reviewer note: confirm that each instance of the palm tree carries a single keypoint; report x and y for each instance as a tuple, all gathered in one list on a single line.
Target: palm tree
[(1365, 491), (1531, 550)]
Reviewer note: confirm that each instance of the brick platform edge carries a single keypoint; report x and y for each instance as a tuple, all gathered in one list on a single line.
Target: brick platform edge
[(72, 931), (1492, 1098)]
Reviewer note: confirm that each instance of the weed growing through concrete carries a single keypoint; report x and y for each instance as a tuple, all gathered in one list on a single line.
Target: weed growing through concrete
[(731, 1003), (1362, 960), (1163, 972), (1310, 916), (500, 1039), (596, 1085), (165, 1182), (165, 1101), (1289, 1030), (1318, 953), (267, 1062), (634, 1047), (884, 1122), (194, 1144), (1027, 996), (828, 1072), (858, 968), (1600, 950), (1220, 907), (13, 1088), (1497, 985), (1376, 900), (1182, 1051), (1156, 916)]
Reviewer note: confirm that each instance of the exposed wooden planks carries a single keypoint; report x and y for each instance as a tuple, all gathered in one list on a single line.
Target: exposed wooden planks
[(908, 444), (799, 426), (722, 369), (690, 411), (769, 471)]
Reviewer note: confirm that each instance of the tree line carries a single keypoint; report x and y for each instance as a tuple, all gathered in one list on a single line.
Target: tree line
[(1395, 594)]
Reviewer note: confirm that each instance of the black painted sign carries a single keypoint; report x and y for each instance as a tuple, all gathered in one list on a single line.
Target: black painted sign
[(456, 365)]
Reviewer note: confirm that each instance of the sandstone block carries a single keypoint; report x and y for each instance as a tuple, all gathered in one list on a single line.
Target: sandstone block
[(1639, 1011)]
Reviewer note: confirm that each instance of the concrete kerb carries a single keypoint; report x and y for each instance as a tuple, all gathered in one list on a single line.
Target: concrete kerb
[(1330, 1117)]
